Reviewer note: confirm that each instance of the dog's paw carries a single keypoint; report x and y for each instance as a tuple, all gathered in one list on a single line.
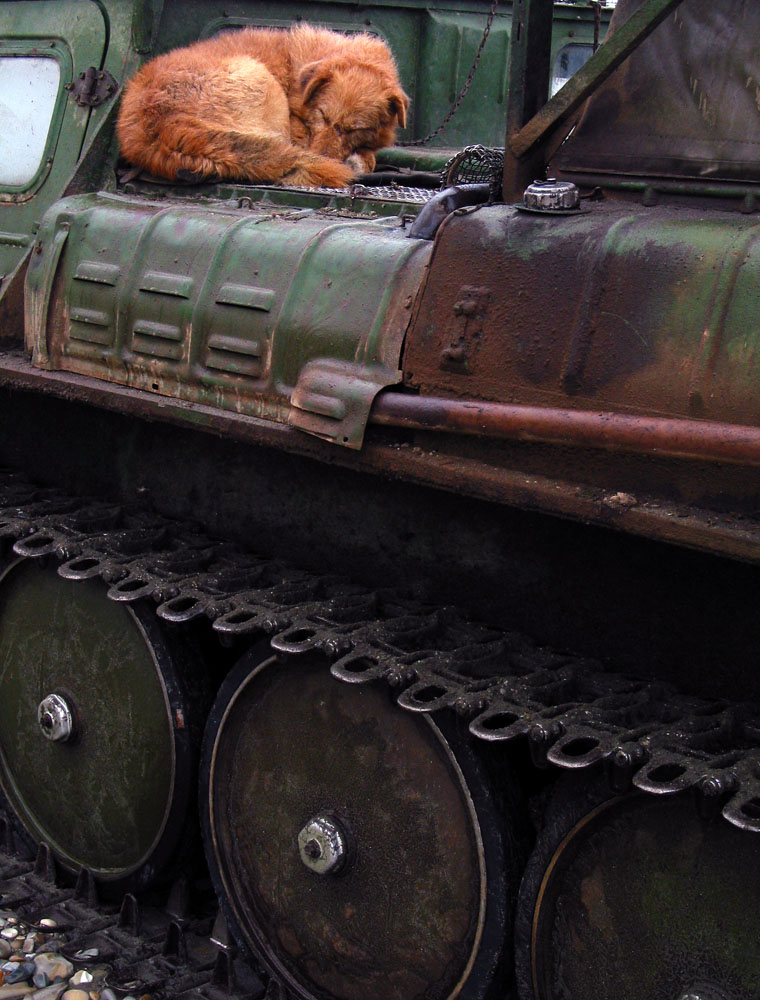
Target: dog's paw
[(361, 162)]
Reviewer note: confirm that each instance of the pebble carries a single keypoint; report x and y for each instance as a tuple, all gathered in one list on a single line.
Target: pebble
[(83, 977), (53, 965), (75, 995), (17, 972), (15, 990), (49, 923), (31, 943), (50, 992), (5, 948), (9, 932)]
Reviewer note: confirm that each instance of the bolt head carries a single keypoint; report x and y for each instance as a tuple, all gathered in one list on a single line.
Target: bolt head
[(323, 846), (55, 718)]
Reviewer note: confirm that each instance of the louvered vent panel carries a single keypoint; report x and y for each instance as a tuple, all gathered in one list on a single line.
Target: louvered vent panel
[(91, 311), (239, 354), (165, 295)]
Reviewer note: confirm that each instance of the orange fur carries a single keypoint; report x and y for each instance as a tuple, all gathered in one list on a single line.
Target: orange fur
[(303, 106)]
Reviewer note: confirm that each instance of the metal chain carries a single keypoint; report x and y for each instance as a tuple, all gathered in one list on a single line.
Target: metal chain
[(463, 92)]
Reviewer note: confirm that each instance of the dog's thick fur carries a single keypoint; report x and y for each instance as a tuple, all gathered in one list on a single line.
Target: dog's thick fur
[(303, 106)]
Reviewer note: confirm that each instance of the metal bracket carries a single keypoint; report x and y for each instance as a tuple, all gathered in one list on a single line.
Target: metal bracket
[(92, 87)]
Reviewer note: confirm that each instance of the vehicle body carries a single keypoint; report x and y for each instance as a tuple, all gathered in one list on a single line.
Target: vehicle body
[(496, 458)]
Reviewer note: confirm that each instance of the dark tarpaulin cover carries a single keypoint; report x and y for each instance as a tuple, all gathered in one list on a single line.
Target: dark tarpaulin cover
[(685, 104)]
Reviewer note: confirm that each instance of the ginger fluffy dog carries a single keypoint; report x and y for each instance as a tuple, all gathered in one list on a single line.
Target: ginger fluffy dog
[(305, 106)]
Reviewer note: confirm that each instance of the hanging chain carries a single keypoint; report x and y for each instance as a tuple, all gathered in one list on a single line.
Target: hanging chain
[(463, 92)]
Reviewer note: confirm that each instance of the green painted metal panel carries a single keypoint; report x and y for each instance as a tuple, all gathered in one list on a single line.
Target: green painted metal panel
[(286, 315)]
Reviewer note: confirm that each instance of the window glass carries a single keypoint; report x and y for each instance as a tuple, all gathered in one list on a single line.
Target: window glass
[(28, 91), (569, 60)]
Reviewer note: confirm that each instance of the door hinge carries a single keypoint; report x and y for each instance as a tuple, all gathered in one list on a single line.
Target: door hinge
[(92, 87)]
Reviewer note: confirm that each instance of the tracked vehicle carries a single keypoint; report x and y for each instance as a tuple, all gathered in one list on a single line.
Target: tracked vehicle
[(399, 544)]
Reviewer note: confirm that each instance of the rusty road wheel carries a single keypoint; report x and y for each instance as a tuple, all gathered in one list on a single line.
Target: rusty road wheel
[(638, 898), (96, 731), (354, 846)]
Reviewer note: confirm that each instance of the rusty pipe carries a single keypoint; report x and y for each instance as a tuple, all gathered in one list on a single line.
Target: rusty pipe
[(673, 437)]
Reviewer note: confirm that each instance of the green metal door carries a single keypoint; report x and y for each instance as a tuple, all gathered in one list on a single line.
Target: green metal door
[(44, 47)]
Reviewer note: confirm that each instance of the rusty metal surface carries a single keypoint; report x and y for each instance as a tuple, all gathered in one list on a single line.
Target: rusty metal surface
[(620, 308), (673, 506), (703, 440)]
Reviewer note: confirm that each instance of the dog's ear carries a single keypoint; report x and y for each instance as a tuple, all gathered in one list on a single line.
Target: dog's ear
[(313, 77), (398, 105)]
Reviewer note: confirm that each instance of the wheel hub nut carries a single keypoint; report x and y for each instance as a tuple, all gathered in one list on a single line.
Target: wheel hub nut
[(55, 718), (322, 845), (705, 991)]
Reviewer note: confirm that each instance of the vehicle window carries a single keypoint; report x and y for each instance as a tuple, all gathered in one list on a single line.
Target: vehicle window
[(28, 90), (569, 60)]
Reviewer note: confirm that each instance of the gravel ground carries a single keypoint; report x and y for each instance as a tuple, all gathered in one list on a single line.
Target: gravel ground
[(34, 964)]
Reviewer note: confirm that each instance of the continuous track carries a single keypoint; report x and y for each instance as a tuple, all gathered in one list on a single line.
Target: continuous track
[(573, 713)]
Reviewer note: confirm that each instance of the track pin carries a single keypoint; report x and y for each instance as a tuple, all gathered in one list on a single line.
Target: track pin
[(712, 791), (621, 765), (86, 888), (541, 737), (44, 863), (129, 915)]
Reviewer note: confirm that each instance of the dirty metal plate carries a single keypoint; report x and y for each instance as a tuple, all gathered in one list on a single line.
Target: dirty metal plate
[(404, 915), (614, 309), (643, 899)]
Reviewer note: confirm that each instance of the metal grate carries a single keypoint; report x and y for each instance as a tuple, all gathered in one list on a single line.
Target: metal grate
[(391, 192), (475, 165)]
